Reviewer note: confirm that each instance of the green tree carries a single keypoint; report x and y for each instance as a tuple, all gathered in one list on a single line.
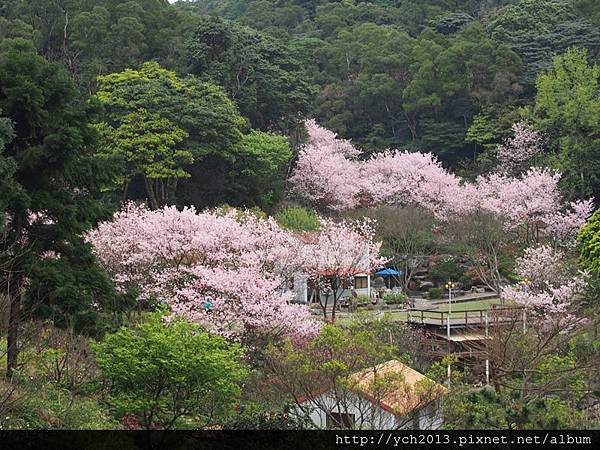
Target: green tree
[(7, 166), (259, 170), (547, 397), (267, 84), (490, 128), (56, 181), (481, 409), (297, 219), (90, 37), (185, 119), (567, 109), (144, 145), (170, 374), (589, 260), (589, 239)]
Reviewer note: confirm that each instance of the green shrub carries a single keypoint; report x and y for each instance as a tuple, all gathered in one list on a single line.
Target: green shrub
[(362, 300), (170, 375), (394, 298), (44, 405), (434, 293), (298, 219), (466, 282), (447, 270), (254, 416)]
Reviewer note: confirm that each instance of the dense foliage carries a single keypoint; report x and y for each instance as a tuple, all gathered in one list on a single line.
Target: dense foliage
[(170, 373)]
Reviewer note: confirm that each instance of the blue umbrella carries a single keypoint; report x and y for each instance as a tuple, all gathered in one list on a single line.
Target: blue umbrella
[(388, 272)]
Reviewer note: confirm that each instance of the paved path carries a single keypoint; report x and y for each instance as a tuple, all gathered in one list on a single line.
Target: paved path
[(467, 298)]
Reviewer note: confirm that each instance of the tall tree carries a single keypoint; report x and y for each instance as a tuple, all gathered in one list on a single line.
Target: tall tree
[(56, 177), (268, 85), (144, 145), (567, 109), (589, 258), (7, 166), (259, 170), (91, 37), (224, 270), (187, 119)]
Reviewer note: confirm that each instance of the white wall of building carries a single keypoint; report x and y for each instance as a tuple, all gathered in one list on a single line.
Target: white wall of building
[(368, 415), (301, 293)]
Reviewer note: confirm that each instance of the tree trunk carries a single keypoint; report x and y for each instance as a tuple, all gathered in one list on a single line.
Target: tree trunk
[(171, 190), (412, 125), (336, 297), (151, 193), (125, 189), (323, 305), (14, 294)]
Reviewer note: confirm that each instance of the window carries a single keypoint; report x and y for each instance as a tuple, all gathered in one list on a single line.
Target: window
[(361, 282), (340, 420)]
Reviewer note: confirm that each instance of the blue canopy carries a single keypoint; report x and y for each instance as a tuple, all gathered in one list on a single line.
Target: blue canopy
[(388, 272)]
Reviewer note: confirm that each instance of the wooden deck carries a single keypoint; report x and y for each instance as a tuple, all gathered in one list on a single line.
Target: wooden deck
[(467, 318)]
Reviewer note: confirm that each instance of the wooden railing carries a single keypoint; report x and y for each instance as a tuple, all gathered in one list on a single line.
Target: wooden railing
[(461, 318)]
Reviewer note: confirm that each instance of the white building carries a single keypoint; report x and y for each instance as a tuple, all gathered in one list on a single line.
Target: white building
[(361, 284), (390, 396), (361, 280)]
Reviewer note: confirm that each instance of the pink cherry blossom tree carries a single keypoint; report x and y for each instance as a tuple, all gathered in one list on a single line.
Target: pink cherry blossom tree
[(329, 174), (531, 207), (548, 288), (221, 269), (335, 254), (409, 179), (326, 172), (518, 151), (522, 203), (529, 204)]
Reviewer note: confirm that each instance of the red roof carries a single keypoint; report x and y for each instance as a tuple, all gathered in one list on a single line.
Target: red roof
[(340, 272), (308, 237), (399, 402)]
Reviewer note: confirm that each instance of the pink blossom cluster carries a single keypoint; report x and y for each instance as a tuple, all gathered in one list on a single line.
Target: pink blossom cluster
[(233, 262), (241, 302), (330, 174), (410, 178), (227, 270), (342, 249), (531, 203), (518, 150), (547, 287), (326, 172), (565, 224)]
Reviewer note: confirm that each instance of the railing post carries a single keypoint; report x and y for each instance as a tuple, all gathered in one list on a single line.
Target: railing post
[(487, 355), (449, 369)]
